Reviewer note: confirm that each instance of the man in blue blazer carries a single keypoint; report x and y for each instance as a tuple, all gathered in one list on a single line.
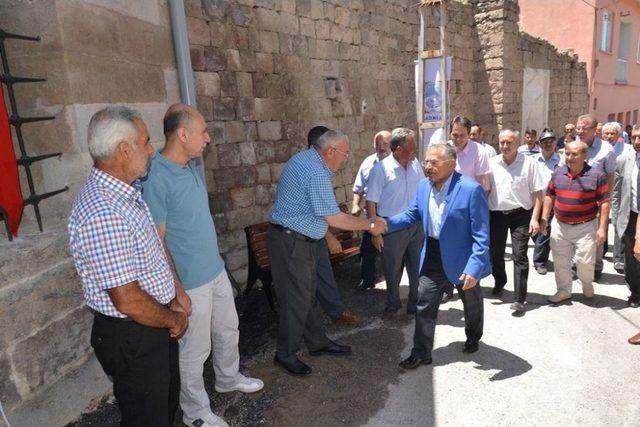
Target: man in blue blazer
[(454, 213)]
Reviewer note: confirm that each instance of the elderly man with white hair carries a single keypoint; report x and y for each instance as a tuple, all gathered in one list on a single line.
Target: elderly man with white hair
[(611, 132), (126, 279), (515, 201)]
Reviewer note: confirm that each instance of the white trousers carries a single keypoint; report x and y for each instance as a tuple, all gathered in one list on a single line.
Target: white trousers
[(213, 325), (577, 242)]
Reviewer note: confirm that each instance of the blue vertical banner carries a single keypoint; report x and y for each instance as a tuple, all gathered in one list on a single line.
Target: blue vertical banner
[(431, 100)]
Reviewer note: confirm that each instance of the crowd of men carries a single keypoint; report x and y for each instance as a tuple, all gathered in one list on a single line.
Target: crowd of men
[(145, 246)]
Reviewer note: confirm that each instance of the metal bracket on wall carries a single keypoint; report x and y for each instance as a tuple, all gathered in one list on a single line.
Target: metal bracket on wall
[(17, 121)]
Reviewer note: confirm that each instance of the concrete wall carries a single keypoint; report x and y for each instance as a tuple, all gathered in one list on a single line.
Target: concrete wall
[(92, 53)]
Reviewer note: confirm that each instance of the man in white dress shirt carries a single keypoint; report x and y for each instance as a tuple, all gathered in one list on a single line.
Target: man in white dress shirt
[(368, 254), (477, 135), (392, 187), (515, 201)]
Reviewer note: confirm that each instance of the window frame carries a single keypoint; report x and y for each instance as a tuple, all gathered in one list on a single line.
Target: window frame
[(609, 44)]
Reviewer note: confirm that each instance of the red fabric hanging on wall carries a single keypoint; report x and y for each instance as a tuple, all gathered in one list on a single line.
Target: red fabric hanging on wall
[(10, 193)]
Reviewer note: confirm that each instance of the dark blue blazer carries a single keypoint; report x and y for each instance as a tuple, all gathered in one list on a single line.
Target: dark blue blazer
[(464, 236)]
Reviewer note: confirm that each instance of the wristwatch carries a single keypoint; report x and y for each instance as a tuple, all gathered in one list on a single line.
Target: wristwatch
[(372, 225)]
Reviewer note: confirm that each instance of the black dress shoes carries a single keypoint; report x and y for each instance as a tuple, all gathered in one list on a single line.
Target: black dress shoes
[(633, 302), (332, 349), (361, 287), (446, 297), (297, 367), (413, 362), (497, 292), (470, 347)]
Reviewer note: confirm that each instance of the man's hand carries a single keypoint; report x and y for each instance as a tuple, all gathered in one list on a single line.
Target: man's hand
[(333, 244), (356, 210), (468, 281), (534, 227), (377, 242), (636, 249), (380, 227), (183, 298), (543, 226), (181, 322), (601, 236)]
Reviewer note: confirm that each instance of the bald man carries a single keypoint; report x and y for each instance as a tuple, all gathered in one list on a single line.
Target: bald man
[(179, 204), (382, 146)]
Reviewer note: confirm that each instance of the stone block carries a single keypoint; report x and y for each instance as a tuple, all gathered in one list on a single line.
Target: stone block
[(207, 83), (247, 153), (198, 32), (234, 131), (263, 174), (229, 155), (276, 170), (323, 30), (251, 131), (265, 153), (66, 341), (244, 82), (270, 131), (264, 63), (210, 155), (215, 59), (228, 85), (197, 58), (262, 195), (231, 240), (267, 19), (222, 35), (289, 24), (233, 59), (205, 106), (31, 304), (216, 9), (193, 8), (269, 42), (224, 109), (243, 16), (303, 8), (239, 218), (307, 27), (216, 131), (243, 197), (316, 9)]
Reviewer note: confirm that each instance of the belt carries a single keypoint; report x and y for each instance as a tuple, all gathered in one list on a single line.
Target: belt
[(513, 211), (294, 234), (111, 318), (578, 223)]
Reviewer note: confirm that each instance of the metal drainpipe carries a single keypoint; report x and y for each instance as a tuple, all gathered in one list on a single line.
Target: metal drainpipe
[(183, 62)]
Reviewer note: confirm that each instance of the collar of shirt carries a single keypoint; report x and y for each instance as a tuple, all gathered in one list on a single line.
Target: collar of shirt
[(113, 185), (555, 157), (583, 172), (595, 147), (317, 156), (519, 158), (445, 187)]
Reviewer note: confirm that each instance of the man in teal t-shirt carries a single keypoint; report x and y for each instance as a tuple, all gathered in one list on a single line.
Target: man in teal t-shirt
[(178, 200)]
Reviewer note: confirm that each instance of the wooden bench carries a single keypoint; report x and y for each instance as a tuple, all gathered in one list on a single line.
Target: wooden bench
[(260, 266)]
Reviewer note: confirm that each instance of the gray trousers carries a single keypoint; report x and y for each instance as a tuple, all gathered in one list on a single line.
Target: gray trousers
[(402, 249), (293, 268)]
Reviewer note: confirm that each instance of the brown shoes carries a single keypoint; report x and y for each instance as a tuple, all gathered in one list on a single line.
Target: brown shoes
[(635, 340), (347, 318)]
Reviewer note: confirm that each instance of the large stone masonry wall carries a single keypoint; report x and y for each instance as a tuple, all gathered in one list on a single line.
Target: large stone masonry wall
[(267, 71), (93, 53)]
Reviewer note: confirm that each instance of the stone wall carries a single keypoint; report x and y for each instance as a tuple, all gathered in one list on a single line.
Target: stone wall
[(92, 52), (268, 70)]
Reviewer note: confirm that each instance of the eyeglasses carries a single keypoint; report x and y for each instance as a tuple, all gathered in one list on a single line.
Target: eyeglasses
[(426, 163), (344, 153), (635, 136)]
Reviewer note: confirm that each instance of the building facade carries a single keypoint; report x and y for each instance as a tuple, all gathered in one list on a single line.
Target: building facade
[(605, 34)]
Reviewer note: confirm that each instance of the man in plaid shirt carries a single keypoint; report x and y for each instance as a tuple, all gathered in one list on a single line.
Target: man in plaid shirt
[(126, 280)]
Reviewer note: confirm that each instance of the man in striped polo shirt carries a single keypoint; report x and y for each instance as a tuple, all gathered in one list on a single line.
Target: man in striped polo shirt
[(579, 196)]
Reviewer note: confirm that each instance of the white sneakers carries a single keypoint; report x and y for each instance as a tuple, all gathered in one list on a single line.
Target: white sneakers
[(210, 420), (559, 297), (244, 385)]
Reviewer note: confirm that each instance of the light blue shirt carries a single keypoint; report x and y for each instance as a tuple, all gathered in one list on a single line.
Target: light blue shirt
[(392, 187), (305, 195), (177, 197), (436, 208), (362, 177), (547, 166), (599, 155)]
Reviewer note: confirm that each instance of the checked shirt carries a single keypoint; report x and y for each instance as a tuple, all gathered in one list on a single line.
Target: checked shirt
[(113, 242)]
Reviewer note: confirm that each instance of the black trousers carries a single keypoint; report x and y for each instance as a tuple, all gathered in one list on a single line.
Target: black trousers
[(542, 246), (631, 264), (368, 255), (433, 282), (293, 266), (143, 363), (518, 224)]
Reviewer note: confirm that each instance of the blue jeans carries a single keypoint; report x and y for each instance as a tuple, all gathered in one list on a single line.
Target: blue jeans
[(326, 286)]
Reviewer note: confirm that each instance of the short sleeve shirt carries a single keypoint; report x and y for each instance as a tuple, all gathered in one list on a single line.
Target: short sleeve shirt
[(305, 195), (473, 161), (392, 187), (547, 167), (177, 197), (362, 177), (512, 185), (114, 242), (600, 155)]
